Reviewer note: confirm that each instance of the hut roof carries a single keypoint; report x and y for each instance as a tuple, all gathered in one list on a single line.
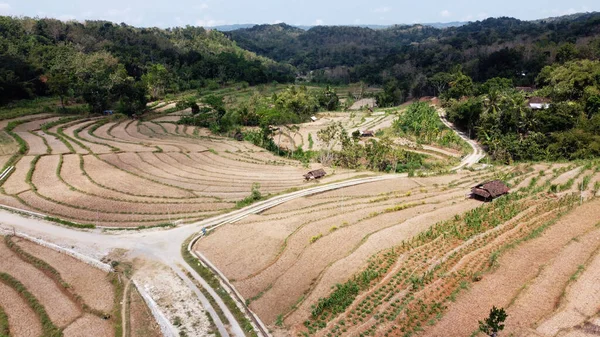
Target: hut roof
[(490, 189), (367, 133), (315, 174)]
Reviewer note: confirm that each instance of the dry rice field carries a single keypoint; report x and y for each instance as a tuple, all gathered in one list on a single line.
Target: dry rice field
[(305, 135), (139, 174), (415, 256), (46, 293)]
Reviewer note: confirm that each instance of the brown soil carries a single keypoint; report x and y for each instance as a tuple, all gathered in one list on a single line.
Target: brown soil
[(141, 321), (16, 182), (285, 266), (60, 308), (529, 280), (89, 325), (98, 294), (22, 320), (56, 145)]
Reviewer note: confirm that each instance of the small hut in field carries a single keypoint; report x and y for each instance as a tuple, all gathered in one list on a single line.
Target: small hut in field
[(489, 190), (367, 134), (316, 174)]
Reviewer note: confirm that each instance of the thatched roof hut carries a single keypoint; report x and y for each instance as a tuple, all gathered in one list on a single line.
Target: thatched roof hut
[(316, 174), (489, 190)]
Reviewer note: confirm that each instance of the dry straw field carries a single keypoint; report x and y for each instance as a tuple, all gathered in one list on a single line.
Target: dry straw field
[(396, 258), (134, 174), (49, 293)]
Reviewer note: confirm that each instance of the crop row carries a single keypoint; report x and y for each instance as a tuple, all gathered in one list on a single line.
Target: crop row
[(48, 328), (424, 280)]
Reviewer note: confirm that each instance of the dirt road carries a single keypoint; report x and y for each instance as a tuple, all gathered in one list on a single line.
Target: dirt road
[(477, 154)]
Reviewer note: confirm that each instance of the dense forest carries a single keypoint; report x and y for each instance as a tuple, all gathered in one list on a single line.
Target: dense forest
[(495, 47), (107, 63)]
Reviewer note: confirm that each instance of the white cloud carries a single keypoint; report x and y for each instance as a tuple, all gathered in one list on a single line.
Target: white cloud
[(210, 22), (382, 10), (4, 8), (357, 21), (276, 22), (125, 15), (318, 22), (202, 6), (482, 16), (445, 13), (66, 17), (560, 12)]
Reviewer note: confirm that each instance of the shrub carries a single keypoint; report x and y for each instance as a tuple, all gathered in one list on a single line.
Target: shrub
[(254, 196), (316, 238), (494, 323)]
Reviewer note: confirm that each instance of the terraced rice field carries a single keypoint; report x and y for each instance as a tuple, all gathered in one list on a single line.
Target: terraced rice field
[(45, 292), (305, 135), (395, 258), (133, 174)]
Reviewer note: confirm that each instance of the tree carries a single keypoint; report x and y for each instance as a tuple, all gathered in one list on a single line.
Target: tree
[(496, 84), (461, 85), (567, 52), (96, 77), (466, 114), (330, 137), (158, 79), (328, 99), (494, 323), (60, 84), (440, 82)]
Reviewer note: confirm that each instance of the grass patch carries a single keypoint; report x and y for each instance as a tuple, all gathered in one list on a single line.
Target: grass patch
[(577, 273), (254, 196), (316, 238), (69, 223), (4, 328)]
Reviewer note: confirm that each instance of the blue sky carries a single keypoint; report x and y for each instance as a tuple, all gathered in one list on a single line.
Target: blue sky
[(297, 12)]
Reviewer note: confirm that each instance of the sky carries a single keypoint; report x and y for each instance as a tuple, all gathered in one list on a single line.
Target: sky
[(207, 13)]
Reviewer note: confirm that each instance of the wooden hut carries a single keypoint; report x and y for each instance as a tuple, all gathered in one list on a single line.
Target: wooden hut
[(316, 174), (367, 133), (489, 190)]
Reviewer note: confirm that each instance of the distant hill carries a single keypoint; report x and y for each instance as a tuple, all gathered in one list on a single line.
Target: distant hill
[(505, 47), (229, 28)]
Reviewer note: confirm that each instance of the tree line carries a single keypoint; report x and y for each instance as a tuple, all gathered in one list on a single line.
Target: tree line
[(118, 66), (498, 115), (406, 59)]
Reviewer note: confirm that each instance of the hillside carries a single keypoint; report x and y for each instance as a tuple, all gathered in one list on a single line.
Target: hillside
[(42, 56), (485, 49)]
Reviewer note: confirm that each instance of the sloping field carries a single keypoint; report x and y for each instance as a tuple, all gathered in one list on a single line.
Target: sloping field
[(132, 174), (306, 135), (390, 258), (45, 291)]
